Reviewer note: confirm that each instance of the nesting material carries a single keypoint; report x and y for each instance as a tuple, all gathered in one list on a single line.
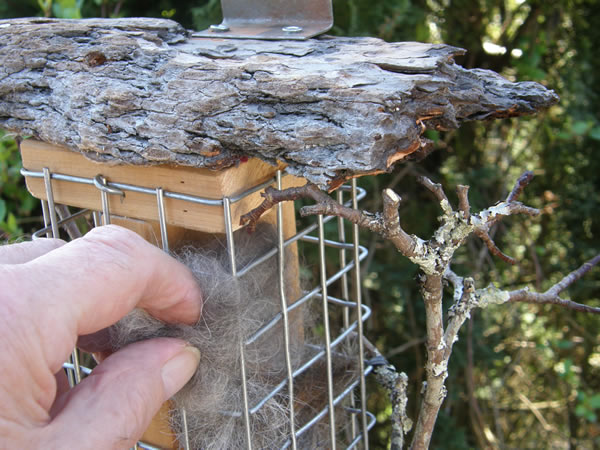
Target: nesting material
[(234, 309)]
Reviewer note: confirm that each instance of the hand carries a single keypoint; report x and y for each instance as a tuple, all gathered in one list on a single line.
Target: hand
[(50, 294)]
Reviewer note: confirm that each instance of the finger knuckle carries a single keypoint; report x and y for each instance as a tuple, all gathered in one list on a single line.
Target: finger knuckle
[(114, 245)]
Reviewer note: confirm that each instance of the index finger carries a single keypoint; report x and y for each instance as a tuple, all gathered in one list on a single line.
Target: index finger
[(23, 252), (92, 282)]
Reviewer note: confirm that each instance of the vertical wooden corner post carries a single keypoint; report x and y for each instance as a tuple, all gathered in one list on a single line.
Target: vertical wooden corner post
[(185, 220)]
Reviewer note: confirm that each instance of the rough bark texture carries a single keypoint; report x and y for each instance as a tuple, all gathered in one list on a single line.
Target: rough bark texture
[(144, 91)]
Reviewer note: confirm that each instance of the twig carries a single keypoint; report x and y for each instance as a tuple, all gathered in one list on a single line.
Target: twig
[(493, 248), (438, 191), (483, 232), (536, 412), (551, 295), (394, 232), (433, 257), (387, 225), (407, 345), (397, 386), (69, 226), (484, 253), (271, 198), (489, 295), (521, 184), (325, 205), (574, 276), (463, 200), (511, 199)]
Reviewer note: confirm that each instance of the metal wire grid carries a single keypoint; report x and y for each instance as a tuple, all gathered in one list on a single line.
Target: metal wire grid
[(348, 267)]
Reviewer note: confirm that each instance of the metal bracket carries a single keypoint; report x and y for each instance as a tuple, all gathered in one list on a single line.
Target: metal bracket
[(272, 19)]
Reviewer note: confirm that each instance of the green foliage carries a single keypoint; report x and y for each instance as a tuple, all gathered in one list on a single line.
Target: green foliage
[(66, 9), (46, 7), (587, 406), (16, 205)]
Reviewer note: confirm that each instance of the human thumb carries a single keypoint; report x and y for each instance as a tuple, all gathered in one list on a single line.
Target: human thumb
[(114, 405)]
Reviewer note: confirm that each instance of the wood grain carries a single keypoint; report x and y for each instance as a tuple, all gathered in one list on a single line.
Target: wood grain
[(187, 180)]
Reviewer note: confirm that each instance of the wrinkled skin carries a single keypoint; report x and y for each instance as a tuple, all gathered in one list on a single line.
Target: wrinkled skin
[(51, 293)]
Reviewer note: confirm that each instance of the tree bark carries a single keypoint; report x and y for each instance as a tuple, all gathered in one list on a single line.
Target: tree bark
[(145, 91), (436, 368)]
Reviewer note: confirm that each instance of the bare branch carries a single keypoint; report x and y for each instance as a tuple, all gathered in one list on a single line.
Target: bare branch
[(521, 184), (514, 208), (391, 202), (70, 226), (438, 191), (437, 364), (391, 217), (397, 386), (463, 200), (271, 198), (465, 301), (519, 208), (574, 276), (484, 220), (551, 295), (433, 257), (387, 225), (325, 205), (526, 296), (407, 345), (493, 248)]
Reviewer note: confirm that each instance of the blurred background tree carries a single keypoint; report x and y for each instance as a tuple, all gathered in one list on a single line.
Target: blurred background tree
[(522, 376)]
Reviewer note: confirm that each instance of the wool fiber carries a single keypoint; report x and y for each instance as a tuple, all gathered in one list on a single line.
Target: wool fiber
[(234, 309)]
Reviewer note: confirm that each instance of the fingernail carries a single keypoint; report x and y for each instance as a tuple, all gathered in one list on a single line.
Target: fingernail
[(179, 369)]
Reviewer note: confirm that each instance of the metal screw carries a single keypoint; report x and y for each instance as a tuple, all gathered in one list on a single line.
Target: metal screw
[(291, 29), (219, 28)]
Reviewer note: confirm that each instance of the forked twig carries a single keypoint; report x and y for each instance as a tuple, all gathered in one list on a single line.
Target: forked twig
[(433, 257), (551, 295)]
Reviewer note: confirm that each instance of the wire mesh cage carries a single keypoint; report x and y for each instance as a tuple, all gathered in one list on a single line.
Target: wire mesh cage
[(340, 418)]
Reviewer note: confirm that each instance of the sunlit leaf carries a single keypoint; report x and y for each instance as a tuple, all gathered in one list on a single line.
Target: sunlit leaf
[(11, 224), (595, 133), (67, 9), (594, 401), (2, 209), (580, 127), (581, 410), (564, 344)]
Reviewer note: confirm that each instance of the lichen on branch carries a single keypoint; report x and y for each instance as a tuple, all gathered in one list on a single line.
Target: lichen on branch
[(434, 256)]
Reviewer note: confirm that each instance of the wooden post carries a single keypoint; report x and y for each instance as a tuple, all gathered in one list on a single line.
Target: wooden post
[(204, 183)]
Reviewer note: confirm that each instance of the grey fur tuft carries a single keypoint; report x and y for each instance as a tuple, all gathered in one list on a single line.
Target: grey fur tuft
[(234, 309)]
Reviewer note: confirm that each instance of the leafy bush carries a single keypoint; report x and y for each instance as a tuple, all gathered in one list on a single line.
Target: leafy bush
[(18, 208)]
